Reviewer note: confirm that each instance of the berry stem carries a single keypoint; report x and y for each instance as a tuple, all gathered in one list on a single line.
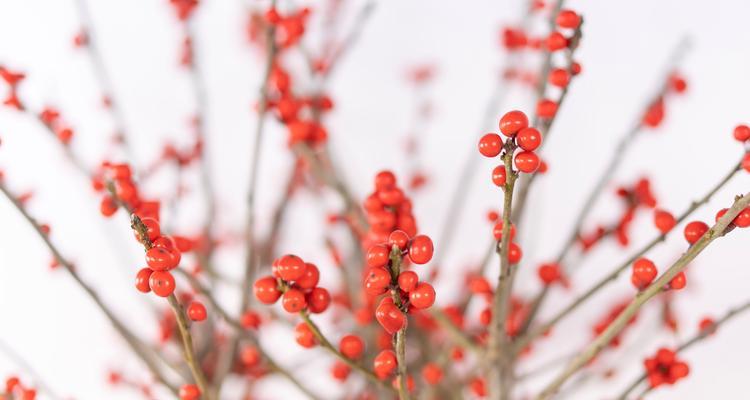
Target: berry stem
[(187, 347), (642, 297), (400, 341), (611, 277), (698, 337), (499, 359)]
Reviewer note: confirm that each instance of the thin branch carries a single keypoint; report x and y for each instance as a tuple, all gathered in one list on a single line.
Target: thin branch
[(642, 297), (28, 369), (133, 342), (611, 277)]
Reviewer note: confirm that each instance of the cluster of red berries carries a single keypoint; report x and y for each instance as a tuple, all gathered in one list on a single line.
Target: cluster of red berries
[(514, 250), (664, 368), (654, 114), (125, 190), (16, 390), (290, 27), (515, 126), (13, 79), (388, 209), (382, 277), (51, 117), (296, 283)]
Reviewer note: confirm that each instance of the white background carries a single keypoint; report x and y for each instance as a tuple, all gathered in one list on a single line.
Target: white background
[(47, 320)]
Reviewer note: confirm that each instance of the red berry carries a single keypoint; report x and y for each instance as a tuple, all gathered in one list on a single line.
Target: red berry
[(568, 19), (497, 231), (549, 273), (142, 280), (377, 281), (546, 108), (318, 300), (250, 320), (399, 239), (290, 267), (377, 256), (190, 392), (389, 316), (304, 336), (556, 41), (293, 301), (309, 278), (197, 311), (108, 206), (499, 175), (742, 133), (351, 346), (408, 280), (423, 296), (432, 373), (742, 219), (490, 145), (385, 363), (152, 229), (746, 162), (340, 371), (664, 221), (643, 273), (266, 290), (527, 161), (678, 282), (694, 230), (391, 196), (514, 253), (559, 77), (250, 356), (162, 283), (420, 249), (384, 180), (512, 122), (162, 258), (529, 139)]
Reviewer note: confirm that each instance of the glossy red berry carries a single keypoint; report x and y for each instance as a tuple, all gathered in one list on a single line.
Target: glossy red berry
[(746, 162), (162, 258), (664, 221), (568, 19), (512, 122), (190, 392), (309, 278), (142, 280), (377, 256), (694, 230), (678, 282), (556, 41), (162, 283), (377, 281), (389, 316), (293, 301), (490, 145), (266, 290), (643, 273), (197, 311), (742, 133), (318, 300), (742, 220), (497, 231), (385, 363), (499, 175), (420, 249), (384, 180), (399, 239), (527, 161), (549, 273), (408, 280), (423, 296), (546, 108), (290, 267), (304, 336), (108, 207), (529, 139), (351, 346), (153, 229)]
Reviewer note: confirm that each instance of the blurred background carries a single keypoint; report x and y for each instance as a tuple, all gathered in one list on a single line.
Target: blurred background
[(624, 51)]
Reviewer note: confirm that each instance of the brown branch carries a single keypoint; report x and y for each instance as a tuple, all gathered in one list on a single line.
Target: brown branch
[(187, 346), (698, 337), (642, 297), (611, 277), (400, 342)]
